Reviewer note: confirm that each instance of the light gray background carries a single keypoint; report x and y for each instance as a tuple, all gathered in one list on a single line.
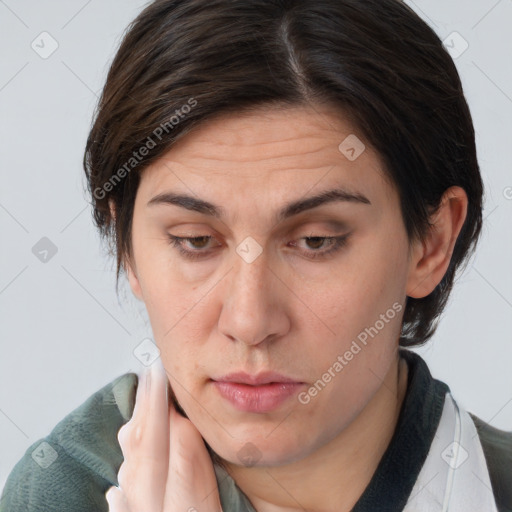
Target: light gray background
[(63, 331)]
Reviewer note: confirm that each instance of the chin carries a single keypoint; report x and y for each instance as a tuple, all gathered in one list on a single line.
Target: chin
[(262, 452)]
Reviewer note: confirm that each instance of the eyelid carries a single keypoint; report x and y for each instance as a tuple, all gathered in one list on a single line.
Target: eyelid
[(321, 221), (337, 243), (288, 228)]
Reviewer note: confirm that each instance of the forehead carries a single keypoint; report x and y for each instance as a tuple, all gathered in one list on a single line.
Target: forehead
[(265, 133), (270, 152)]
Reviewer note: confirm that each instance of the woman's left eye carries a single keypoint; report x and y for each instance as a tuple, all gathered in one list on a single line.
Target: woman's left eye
[(334, 244)]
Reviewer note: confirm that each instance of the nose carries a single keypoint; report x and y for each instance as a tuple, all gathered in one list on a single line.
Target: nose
[(255, 301)]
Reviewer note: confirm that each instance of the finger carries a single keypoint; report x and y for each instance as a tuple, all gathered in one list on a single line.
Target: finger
[(191, 482), (116, 500), (132, 429), (144, 441), (143, 386)]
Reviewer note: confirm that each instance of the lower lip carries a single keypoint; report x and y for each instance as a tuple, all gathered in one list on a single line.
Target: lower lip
[(262, 398)]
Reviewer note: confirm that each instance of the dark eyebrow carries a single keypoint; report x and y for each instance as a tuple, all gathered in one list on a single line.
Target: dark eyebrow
[(289, 210)]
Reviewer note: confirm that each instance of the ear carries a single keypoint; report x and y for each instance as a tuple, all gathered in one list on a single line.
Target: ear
[(431, 257), (128, 267), (131, 273)]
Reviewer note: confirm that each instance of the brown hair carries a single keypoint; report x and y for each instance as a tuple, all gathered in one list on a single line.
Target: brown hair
[(182, 62)]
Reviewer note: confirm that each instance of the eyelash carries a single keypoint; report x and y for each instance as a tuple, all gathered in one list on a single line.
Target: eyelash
[(337, 243)]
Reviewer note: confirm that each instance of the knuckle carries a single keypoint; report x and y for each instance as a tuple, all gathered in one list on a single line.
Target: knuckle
[(124, 476), (110, 495), (129, 436), (122, 434), (115, 500)]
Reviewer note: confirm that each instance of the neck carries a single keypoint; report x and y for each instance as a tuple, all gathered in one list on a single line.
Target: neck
[(333, 478)]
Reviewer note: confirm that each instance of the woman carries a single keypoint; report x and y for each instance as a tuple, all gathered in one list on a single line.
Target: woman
[(290, 188)]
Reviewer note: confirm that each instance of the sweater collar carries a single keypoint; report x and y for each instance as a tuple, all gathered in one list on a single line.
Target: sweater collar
[(399, 467)]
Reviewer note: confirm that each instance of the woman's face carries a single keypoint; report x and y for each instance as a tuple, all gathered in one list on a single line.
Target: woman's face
[(253, 293)]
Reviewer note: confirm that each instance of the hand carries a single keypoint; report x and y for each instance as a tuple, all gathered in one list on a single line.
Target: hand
[(166, 467)]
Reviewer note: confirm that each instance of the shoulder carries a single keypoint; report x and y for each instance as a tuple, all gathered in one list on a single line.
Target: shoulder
[(497, 447), (78, 461)]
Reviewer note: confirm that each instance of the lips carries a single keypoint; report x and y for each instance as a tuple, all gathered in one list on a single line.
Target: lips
[(255, 380), (256, 393)]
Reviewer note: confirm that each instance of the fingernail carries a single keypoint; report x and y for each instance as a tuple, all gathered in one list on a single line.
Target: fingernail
[(157, 367), (144, 381), (147, 380)]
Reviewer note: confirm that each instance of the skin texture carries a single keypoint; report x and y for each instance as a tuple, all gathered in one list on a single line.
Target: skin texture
[(284, 311)]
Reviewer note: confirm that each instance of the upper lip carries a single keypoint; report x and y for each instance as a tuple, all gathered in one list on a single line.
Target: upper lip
[(255, 380)]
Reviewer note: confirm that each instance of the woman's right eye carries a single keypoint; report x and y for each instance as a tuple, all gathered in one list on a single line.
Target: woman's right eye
[(178, 242)]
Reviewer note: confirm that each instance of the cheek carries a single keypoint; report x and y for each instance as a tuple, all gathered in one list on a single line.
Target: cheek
[(356, 296), (169, 300), (361, 308)]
